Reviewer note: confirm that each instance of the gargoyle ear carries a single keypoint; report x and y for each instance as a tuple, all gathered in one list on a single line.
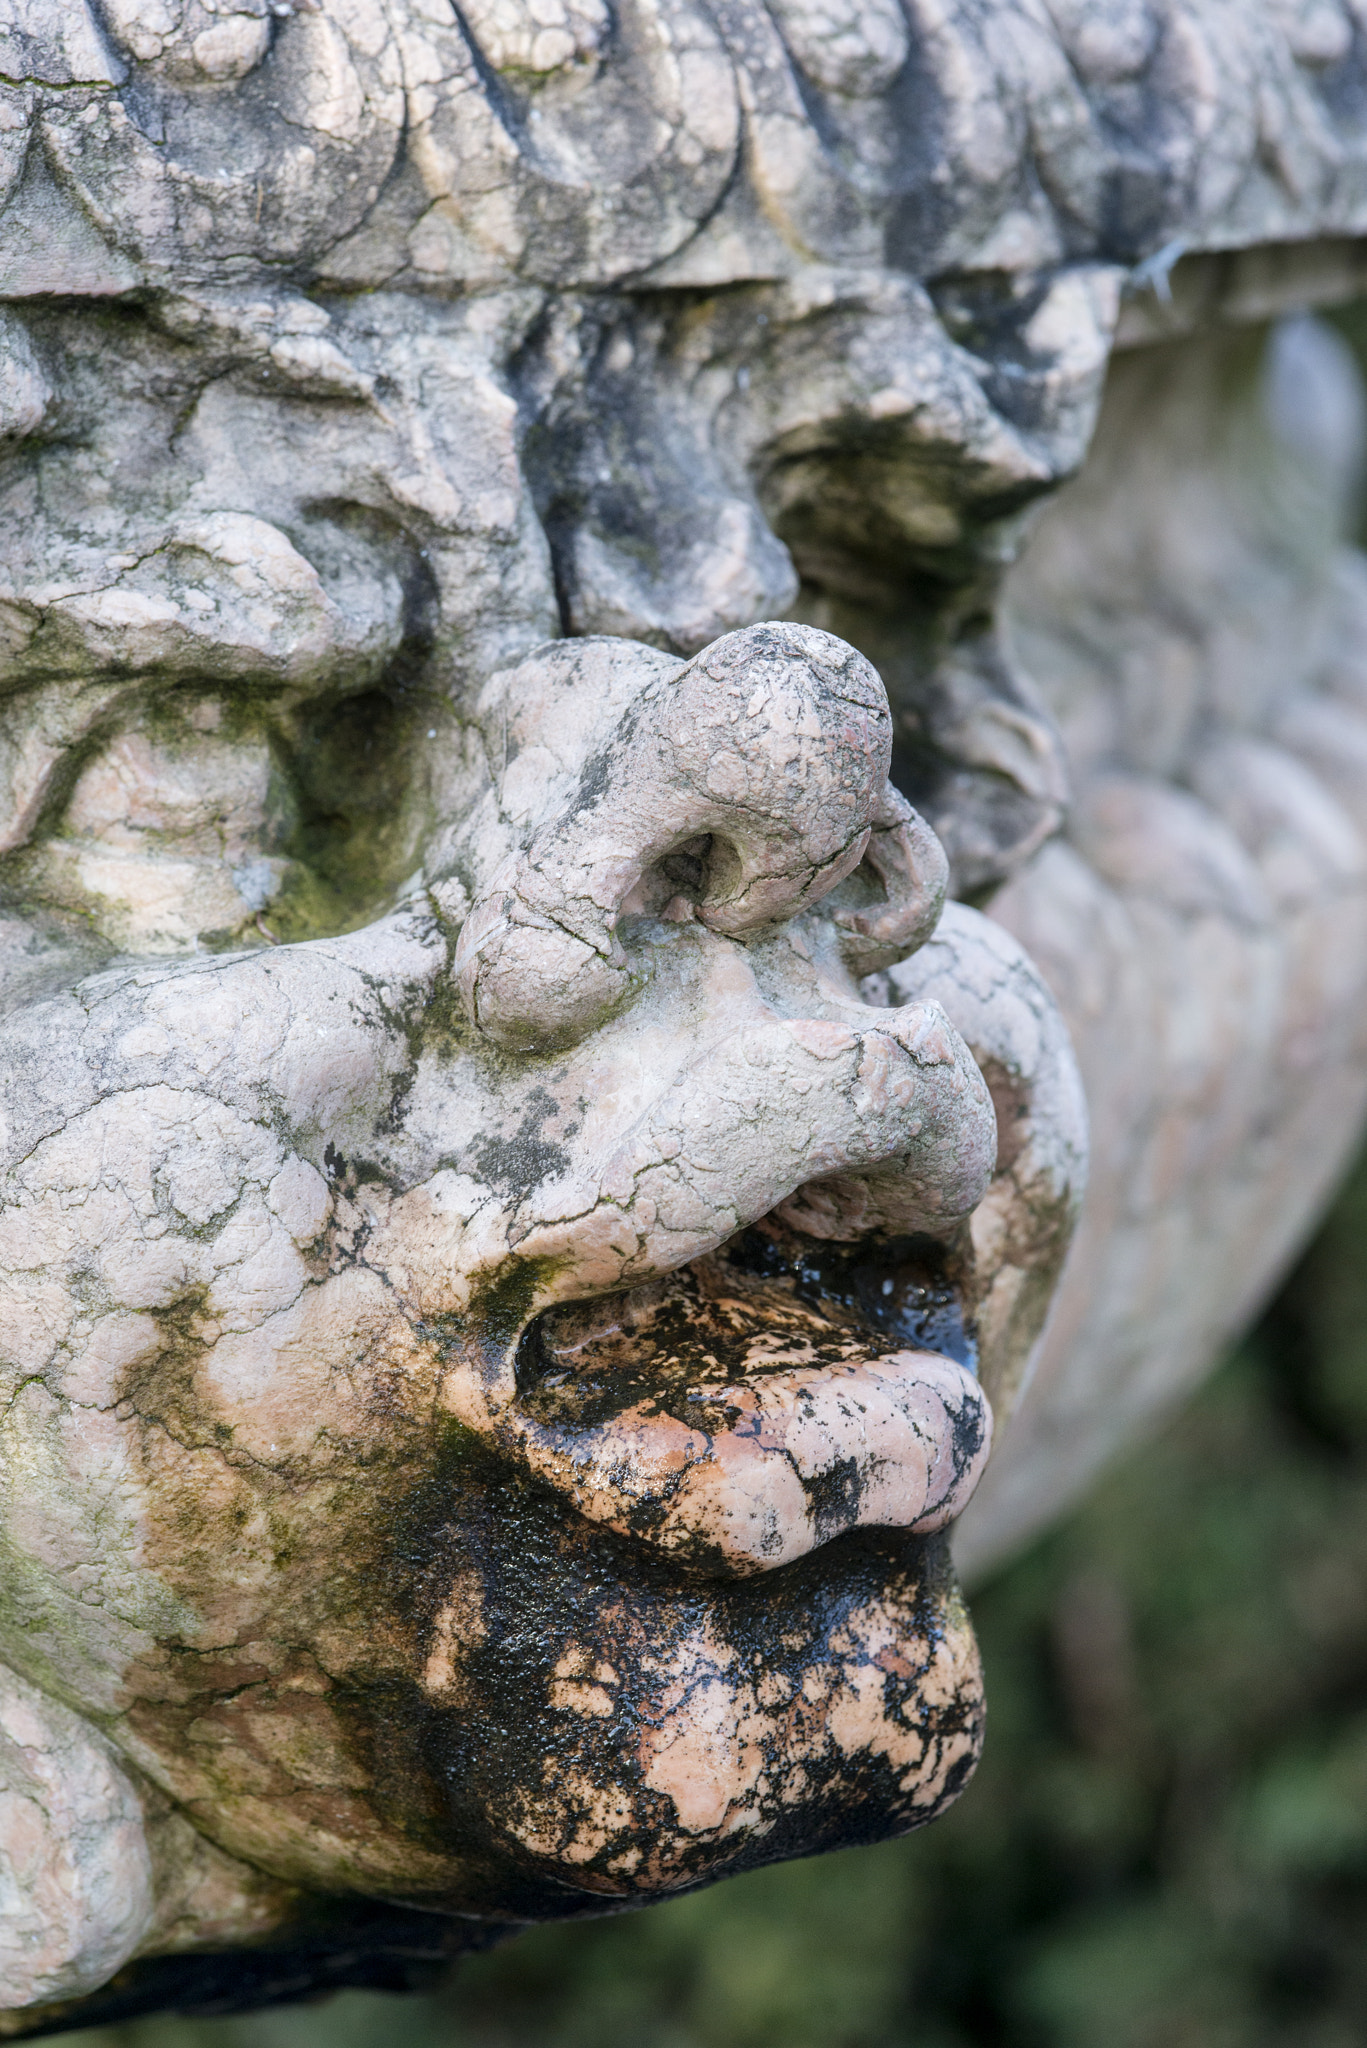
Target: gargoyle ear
[(76, 1893)]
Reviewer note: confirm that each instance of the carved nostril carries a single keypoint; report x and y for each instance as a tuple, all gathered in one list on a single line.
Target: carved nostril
[(904, 876), (739, 788), (689, 866), (682, 879)]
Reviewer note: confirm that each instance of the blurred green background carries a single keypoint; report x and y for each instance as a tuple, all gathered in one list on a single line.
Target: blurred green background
[(1166, 1844)]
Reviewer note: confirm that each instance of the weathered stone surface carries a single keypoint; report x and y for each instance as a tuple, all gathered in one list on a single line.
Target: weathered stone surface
[(520, 1201), (277, 1222), (1203, 920)]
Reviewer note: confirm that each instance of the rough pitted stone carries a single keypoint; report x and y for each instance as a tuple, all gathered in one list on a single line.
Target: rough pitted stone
[(520, 1204)]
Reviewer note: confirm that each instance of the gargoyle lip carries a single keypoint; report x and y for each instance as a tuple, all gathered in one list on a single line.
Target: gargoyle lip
[(749, 1406)]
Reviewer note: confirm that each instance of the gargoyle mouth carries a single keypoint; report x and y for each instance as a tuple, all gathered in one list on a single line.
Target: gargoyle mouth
[(740, 1647), (761, 1400)]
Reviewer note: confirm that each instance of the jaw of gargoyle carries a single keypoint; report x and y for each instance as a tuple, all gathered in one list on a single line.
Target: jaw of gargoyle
[(687, 1604)]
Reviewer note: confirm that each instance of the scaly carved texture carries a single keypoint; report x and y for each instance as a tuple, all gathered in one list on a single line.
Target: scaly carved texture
[(1198, 628), (385, 144)]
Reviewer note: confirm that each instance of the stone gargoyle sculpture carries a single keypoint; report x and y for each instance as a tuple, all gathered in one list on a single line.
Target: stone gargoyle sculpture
[(522, 1201)]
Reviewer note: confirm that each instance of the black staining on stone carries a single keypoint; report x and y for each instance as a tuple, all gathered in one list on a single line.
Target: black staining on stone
[(968, 1427), (586, 1645), (335, 1944), (594, 783), (674, 1344), (912, 1290), (989, 313), (922, 208), (334, 1161), (514, 1166), (696, 1345), (834, 1498)]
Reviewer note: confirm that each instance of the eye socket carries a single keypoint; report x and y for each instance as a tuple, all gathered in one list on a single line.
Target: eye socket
[(211, 819)]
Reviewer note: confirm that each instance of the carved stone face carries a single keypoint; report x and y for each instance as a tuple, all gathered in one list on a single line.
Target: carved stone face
[(520, 1198), (411, 1579)]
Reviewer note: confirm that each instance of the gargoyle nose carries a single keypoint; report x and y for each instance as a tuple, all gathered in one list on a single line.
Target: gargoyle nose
[(737, 790)]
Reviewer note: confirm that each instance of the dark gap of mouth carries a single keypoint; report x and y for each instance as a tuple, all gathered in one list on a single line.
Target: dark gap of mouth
[(767, 1301)]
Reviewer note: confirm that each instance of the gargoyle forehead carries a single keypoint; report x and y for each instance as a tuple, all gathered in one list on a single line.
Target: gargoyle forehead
[(411, 144), (399, 334)]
